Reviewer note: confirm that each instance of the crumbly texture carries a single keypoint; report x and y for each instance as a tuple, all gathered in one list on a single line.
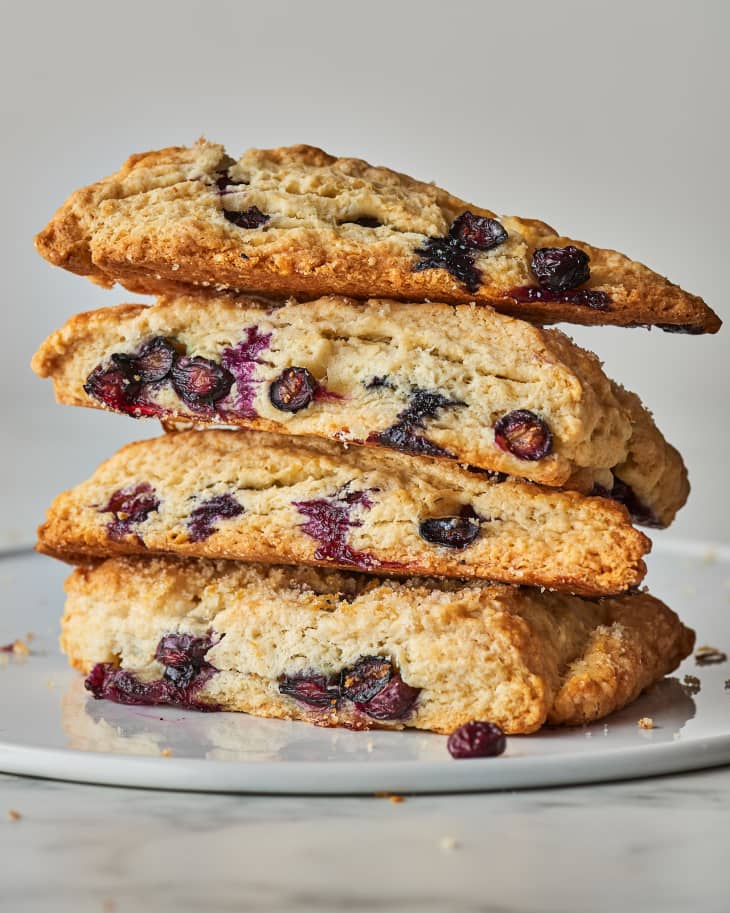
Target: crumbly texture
[(310, 501), (368, 359), (158, 225), (510, 655)]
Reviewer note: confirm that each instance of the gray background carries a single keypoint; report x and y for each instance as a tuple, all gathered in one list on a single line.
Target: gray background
[(607, 120)]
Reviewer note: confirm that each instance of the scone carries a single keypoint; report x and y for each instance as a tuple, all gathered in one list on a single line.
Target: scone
[(296, 221), (444, 381), (268, 498), (354, 650)]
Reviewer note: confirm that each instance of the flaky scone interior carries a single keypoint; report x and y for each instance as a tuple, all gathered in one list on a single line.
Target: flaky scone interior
[(455, 382)]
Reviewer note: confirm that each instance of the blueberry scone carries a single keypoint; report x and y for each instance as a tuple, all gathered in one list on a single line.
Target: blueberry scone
[(268, 498), (459, 382), (297, 221), (353, 650)]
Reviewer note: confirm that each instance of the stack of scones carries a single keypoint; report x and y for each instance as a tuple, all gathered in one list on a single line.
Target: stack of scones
[(385, 495)]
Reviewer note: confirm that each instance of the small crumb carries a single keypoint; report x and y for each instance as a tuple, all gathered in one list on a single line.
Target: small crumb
[(692, 685), (370, 746), (109, 906), (30, 636), (14, 815), (709, 656), (50, 684), (710, 556), (448, 843), (18, 647), (166, 752), (646, 722), (727, 684), (396, 799)]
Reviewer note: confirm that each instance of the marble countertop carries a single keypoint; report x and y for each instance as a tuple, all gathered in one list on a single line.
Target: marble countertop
[(659, 844)]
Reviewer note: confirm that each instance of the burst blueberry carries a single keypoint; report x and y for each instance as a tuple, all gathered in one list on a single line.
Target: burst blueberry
[(477, 232), (361, 682), (154, 361), (393, 702), (186, 672), (560, 268), (468, 233), (114, 386), (523, 434)]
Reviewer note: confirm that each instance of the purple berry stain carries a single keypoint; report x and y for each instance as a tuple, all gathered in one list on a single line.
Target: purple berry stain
[(329, 521), (477, 739), (202, 519), (590, 298), (130, 506), (186, 672), (468, 233), (241, 362), (424, 404)]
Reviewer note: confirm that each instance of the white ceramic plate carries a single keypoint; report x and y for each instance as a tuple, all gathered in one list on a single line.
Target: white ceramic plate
[(49, 727)]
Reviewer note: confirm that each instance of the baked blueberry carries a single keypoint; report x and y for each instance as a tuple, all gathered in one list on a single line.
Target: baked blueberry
[(560, 268), (309, 688), (477, 232), (248, 218), (200, 381), (523, 434), (293, 390), (477, 739), (449, 532), (366, 678), (155, 360), (393, 702)]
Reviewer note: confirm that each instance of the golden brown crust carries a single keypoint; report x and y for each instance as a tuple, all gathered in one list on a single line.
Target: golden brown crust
[(157, 226), (634, 647), (370, 502), (486, 363), (477, 651)]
